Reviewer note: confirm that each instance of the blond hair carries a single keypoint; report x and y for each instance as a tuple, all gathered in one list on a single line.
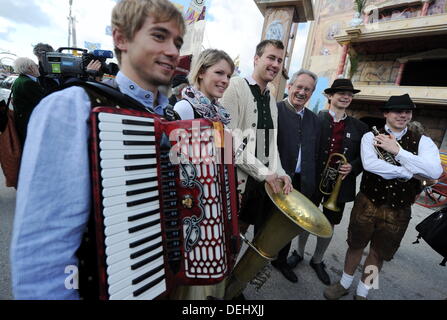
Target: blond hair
[(129, 16), (206, 59)]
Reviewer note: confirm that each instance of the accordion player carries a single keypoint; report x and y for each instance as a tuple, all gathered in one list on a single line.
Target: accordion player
[(165, 206)]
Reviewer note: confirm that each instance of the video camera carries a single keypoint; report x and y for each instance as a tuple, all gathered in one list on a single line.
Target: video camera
[(58, 64)]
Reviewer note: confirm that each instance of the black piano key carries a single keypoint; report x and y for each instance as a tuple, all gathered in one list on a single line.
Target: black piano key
[(140, 191), (143, 215), (144, 240), (146, 250), (139, 156), (141, 167), (146, 287), (144, 226), (147, 275), (138, 143), (138, 181), (138, 133), (141, 201), (137, 122), (144, 262)]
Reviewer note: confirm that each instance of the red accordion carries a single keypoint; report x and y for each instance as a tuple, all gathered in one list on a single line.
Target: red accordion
[(165, 203)]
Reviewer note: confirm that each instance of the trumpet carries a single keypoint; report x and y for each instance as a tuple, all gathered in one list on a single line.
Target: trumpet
[(331, 180), (384, 155)]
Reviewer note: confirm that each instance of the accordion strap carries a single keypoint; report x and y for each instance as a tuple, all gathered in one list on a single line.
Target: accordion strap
[(104, 95)]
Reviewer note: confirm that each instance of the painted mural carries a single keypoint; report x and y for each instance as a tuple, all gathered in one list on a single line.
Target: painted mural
[(333, 17)]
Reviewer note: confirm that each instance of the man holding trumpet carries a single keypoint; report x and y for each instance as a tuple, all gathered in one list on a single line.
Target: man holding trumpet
[(340, 134), (395, 159)]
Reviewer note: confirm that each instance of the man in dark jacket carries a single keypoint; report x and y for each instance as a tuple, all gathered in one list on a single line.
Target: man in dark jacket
[(342, 134), (179, 82), (48, 84), (26, 93), (298, 139)]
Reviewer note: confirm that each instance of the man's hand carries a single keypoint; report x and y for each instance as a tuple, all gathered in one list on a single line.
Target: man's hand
[(387, 143), (344, 170), (287, 184), (94, 65), (273, 183)]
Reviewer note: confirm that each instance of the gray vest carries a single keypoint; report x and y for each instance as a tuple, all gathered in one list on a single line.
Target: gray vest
[(291, 136)]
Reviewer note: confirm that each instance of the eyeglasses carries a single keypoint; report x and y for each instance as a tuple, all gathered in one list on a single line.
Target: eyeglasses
[(306, 90)]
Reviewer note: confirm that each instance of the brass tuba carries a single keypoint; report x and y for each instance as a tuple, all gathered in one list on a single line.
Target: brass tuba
[(293, 214), (331, 180)]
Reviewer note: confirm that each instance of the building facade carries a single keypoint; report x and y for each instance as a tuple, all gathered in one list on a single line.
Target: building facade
[(388, 48)]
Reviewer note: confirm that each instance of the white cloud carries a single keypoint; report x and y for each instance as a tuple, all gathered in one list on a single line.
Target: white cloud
[(236, 27), (92, 18), (233, 26)]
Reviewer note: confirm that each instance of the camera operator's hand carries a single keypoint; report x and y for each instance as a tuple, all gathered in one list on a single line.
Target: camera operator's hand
[(94, 65)]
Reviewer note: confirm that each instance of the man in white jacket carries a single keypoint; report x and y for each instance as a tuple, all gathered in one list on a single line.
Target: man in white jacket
[(255, 121)]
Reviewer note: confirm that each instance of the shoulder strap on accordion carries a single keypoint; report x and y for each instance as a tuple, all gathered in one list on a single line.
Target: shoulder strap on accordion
[(104, 95)]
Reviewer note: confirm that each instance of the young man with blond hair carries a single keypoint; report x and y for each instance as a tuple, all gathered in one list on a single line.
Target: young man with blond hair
[(54, 195), (255, 121)]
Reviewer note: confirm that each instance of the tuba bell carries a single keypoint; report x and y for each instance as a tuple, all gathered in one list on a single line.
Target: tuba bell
[(293, 214), (331, 181)]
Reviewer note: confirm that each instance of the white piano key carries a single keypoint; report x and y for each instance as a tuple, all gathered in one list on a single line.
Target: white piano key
[(120, 227), (119, 127), (119, 154), (128, 292), (123, 208), (115, 258), (119, 218), (121, 172), (117, 136), (113, 201), (124, 245), (124, 278), (117, 118), (153, 292), (119, 163), (119, 145), (122, 190), (120, 265), (121, 181), (123, 236)]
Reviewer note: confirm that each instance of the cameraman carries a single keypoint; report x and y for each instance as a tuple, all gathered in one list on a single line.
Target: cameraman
[(48, 84)]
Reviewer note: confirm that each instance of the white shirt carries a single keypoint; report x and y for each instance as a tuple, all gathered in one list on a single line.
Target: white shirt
[(426, 163), (184, 110)]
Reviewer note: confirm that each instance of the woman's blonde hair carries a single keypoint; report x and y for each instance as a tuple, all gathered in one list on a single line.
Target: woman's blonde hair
[(206, 59), (129, 16)]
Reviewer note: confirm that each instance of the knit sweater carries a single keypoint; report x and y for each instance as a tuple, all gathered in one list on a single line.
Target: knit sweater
[(239, 101)]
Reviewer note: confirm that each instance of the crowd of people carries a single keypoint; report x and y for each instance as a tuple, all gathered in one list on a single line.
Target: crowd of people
[(287, 147)]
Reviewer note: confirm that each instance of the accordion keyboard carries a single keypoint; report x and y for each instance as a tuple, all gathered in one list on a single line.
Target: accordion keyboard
[(133, 234)]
